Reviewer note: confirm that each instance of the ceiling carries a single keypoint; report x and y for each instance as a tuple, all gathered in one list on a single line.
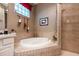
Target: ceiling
[(33, 4)]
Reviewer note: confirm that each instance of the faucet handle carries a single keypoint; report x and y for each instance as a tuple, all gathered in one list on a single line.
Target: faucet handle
[(55, 37)]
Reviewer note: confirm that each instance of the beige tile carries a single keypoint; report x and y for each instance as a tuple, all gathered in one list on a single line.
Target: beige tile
[(68, 53), (47, 50), (70, 31)]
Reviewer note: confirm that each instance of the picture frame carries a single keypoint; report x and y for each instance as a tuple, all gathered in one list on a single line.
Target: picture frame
[(43, 21)]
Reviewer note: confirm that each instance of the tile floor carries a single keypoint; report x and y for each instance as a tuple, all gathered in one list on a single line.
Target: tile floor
[(68, 53)]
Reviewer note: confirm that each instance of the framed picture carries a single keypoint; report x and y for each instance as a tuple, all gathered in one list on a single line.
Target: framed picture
[(43, 21)]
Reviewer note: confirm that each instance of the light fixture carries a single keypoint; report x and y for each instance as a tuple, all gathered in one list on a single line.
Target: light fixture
[(19, 20)]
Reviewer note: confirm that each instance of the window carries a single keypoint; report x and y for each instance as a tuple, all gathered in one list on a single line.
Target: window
[(22, 10)]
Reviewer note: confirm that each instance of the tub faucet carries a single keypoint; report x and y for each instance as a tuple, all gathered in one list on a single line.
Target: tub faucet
[(54, 37)]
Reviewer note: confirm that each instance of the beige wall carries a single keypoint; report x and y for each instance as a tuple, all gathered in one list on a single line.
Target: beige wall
[(70, 27), (39, 11), (12, 24), (45, 10)]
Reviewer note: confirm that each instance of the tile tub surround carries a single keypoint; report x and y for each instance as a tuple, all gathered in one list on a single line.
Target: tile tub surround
[(47, 50)]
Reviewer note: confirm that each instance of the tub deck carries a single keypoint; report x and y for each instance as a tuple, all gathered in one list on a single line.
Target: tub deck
[(47, 50)]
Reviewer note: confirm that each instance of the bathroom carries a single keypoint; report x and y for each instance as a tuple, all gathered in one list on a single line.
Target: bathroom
[(49, 29)]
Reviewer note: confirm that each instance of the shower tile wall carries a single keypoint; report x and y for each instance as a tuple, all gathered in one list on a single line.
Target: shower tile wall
[(70, 27)]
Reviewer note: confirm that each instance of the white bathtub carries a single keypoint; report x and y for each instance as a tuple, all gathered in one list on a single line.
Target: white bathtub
[(34, 42)]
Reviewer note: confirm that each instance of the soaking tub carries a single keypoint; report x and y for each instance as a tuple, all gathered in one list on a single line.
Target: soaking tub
[(34, 42), (37, 46)]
